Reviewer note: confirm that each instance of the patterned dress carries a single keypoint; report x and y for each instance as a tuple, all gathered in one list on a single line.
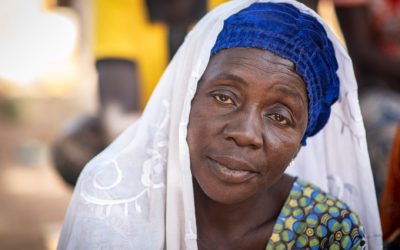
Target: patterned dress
[(313, 219)]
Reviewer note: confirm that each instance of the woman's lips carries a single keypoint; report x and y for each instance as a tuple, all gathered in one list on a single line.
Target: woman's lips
[(231, 170)]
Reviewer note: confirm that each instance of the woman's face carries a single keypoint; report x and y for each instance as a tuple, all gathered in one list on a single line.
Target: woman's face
[(248, 117)]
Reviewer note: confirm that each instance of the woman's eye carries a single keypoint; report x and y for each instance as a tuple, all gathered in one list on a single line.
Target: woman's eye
[(223, 99), (279, 118)]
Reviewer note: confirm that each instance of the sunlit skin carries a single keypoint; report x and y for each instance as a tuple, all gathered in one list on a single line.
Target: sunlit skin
[(247, 120)]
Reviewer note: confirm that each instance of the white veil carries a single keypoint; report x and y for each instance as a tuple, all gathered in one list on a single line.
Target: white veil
[(138, 194)]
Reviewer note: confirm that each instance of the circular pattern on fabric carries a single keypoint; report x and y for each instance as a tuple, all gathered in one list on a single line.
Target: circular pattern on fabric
[(338, 235), (334, 246), (344, 212), (329, 202), (293, 203), (339, 204), (318, 196), (334, 225), (299, 227), (304, 201), (320, 208), (354, 218), (298, 213), (325, 218), (301, 241), (334, 211), (346, 226), (280, 246), (313, 243), (296, 193), (276, 246), (312, 219), (321, 231), (286, 211), (278, 226), (310, 232), (287, 235), (346, 242)]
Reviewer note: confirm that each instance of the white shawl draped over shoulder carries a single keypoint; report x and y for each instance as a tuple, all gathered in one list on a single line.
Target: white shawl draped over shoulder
[(138, 194)]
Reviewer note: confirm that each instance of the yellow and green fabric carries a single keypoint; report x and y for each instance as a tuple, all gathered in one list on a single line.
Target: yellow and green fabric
[(313, 219)]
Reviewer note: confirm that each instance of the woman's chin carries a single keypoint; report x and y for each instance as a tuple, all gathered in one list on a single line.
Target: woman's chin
[(230, 195)]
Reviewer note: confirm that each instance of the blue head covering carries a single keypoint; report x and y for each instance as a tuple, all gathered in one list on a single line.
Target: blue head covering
[(285, 31)]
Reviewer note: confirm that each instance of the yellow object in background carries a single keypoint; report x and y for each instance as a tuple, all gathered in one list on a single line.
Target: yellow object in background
[(211, 4), (122, 29)]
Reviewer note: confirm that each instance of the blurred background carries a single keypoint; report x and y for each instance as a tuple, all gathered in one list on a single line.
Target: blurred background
[(44, 82), (73, 74)]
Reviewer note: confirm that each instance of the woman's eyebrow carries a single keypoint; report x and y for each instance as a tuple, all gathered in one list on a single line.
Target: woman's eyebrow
[(289, 91), (232, 77)]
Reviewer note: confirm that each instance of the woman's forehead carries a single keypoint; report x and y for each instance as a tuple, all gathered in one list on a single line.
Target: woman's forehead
[(253, 53), (246, 59), (256, 69)]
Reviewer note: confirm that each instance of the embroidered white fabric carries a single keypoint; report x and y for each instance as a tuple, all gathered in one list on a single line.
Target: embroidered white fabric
[(138, 194)]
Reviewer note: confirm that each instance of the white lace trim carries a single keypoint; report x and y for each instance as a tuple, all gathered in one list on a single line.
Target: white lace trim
[(153, 169)]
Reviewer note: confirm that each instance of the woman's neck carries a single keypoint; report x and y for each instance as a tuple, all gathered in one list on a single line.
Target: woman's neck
[(231, 224)]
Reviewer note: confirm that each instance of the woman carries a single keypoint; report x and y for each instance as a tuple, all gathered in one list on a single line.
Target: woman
[(204, 166)]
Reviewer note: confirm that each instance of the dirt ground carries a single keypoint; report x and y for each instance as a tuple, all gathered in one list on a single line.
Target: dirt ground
[(33, 198)]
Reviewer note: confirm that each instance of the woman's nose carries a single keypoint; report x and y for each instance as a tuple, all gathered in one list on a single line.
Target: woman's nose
[(245, 130)]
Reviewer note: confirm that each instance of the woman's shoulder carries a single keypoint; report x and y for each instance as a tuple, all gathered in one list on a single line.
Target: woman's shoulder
[(318, 220), (304, 194)]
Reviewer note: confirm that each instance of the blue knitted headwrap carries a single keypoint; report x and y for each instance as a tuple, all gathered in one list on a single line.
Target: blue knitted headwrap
[(285, 31)]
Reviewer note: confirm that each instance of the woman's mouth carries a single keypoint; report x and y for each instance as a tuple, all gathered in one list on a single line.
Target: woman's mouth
[(230, 170)]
